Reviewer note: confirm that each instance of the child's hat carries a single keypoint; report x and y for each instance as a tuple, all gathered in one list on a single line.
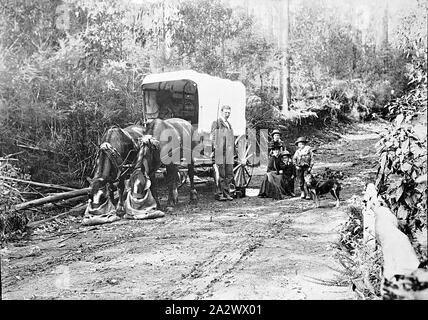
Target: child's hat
[(301, 139), (275, 131), (285, 153)]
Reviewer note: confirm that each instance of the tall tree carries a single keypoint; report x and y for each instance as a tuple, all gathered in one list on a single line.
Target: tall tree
[(285, 60), (385, 30), (200, 31)]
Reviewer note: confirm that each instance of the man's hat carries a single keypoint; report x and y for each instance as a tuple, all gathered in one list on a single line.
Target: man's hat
[(275, 131), (301, 139), (285, 153)]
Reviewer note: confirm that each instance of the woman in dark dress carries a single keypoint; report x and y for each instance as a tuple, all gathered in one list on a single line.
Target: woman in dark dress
[(271, 186)]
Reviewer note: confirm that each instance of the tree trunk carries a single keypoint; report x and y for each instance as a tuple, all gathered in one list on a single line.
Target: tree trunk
[(280, 47), (385, 35), (285, 66), (163, 37), (385, 26)]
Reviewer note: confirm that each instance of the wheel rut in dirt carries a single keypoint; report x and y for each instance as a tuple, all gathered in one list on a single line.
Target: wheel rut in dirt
[(222, 261)]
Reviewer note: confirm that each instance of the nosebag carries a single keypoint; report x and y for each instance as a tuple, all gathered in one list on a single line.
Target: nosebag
[(105, 213), (142, 208)]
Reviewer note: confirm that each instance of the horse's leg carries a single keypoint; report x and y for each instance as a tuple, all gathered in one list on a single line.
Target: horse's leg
[(154, 189), (193, 192), (172, 178), (111, 193), (335, 193), (121, 190)]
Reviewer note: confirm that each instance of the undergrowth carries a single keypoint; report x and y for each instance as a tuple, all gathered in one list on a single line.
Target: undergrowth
[(12, 224), (361, 266)]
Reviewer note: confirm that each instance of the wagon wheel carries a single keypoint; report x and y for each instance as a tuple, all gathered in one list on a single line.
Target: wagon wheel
[(243, 168)]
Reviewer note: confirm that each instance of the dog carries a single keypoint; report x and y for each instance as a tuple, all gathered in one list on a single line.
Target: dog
[(317, 188)]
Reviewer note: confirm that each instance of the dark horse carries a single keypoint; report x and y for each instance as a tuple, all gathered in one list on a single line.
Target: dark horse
[(117, 157), (176, 145), (148, 162)]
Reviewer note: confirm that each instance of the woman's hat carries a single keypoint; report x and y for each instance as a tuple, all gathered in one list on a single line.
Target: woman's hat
[(285, 153), (301, 139), (275, 131)]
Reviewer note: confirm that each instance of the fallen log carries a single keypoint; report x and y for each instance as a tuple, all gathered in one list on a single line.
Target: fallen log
[(398, 254), (369, 233), (402, 277), (76, 211), (53, 198), (53, 186)]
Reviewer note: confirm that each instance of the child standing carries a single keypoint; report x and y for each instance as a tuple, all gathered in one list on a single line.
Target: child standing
[(303, 160), (288, 173)]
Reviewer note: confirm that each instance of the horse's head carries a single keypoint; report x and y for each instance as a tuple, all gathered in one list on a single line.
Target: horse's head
[(98, 193), (139, 183), (149, 154)]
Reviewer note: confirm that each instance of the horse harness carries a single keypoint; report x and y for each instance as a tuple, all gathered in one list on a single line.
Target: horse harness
[(115, 157)]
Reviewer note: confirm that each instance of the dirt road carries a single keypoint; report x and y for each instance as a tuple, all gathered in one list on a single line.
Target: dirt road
[(250, 248)]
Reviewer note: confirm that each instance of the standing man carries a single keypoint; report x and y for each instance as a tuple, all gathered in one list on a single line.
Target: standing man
[(224, 150)]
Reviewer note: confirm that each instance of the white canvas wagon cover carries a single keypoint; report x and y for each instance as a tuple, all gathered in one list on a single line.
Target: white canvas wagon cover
[(213, 92)]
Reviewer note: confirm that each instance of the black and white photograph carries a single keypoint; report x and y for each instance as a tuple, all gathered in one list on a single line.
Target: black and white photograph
[(213, 155)]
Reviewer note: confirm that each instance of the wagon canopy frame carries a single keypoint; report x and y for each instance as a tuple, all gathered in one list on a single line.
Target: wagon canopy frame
[(207, 93)]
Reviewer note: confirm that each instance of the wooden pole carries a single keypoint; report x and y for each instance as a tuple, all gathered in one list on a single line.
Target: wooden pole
[(67, 202), (53, 198), (53, 186), (34, 148)]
